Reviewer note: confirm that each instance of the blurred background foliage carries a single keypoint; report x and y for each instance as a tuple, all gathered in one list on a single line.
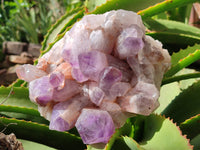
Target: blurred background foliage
[(29, 20)]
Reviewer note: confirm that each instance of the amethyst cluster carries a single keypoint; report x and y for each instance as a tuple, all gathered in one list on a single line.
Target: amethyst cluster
[(104, 70)]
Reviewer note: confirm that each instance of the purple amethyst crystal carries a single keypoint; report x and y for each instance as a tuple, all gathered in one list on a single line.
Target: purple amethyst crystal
[(65, 114), (108, 77), (57, 80), (95, 126), (104, 70), (29, 72), (41, 90), (95, 93), (92, 63)]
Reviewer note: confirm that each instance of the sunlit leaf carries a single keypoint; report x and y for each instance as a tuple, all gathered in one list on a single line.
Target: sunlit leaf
[(185, 105), (41, 134), (191, 127), (162, 134)]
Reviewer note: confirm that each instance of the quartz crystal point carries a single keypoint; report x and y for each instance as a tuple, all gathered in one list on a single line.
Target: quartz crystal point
[(104, 70), (95, 126), (65, 114)]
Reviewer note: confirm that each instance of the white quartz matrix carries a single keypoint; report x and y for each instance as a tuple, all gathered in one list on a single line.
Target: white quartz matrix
[(104, 70)]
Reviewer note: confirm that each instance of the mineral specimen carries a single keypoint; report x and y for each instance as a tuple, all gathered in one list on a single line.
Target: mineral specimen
[(104, 70)]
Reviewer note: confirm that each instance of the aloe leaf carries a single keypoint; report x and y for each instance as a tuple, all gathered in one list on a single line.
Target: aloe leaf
[(23, 113), (102, 6), (191, 127), (136, 5), (172, 33), (132, 144), (163, 25), (18, 97), (182, 59), (41, 134), (185, 105), (180, 77), (126, 143), (176, 57), (59, 27), (34, 146), (18, 105), (195, 142), (169, 91), (184, 84), (17, 83), (167, 94), (164, 6), (24, 110), (173, 40), (180, 14), (162, 134), (119, 143), (186, 77)]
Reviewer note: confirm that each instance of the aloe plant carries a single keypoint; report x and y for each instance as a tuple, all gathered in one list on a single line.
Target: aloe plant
[(174, 125)]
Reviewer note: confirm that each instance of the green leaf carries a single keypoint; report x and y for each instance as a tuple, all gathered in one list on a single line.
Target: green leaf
[(180, 14), (164, 6), (174, 40), (119, 144), (29, 145), (181, 78), (183, 58), (169, 26), (18, 83), (127, 130), (41, 134), (102, 6), (191, 127), (138, 124), (24, 110), (126, 143), (172, 33), (186, 78), (195, 142), (184, 84), (132, 144), (185, 105), (162, 134), (167, 94), (18, 105), (176, 57), (18, 97)]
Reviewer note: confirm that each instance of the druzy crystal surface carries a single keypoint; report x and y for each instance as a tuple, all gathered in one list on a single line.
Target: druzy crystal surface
[(104, 70)]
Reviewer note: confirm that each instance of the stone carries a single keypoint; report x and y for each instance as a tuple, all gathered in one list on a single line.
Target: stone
[(20, 59), (8, 76), (10, 142), (16, 48), (34, 49)]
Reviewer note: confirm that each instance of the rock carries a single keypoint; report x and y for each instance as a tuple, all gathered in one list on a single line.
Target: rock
[(10, 142), (9, 75), (16, 48), (25, 54), (34, 49), (20, 59), (2, 71)]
